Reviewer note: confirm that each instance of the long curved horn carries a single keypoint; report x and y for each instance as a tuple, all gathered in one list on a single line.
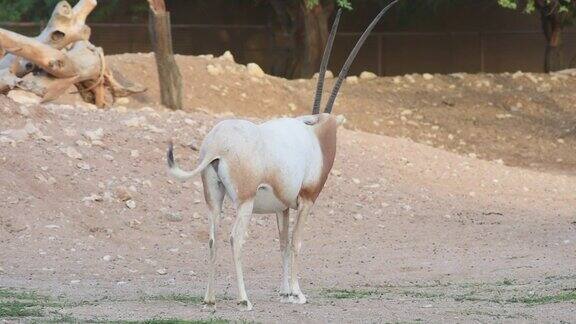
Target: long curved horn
[(352, 56), (324, 64)]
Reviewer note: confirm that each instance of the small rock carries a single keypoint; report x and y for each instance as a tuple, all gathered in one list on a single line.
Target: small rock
[(255, 70), (24, 97), (161, 271), (352, 79), (173, 216), (214, 69), (108, 157), (134, 153), (460, 76), (328, 75), (135, 122), (70, 132), (227, 56), (122, 101), (83, 166), (358, 217), (427, 76), (123, 194), (292, 106), (367, 75), (71, 153), (23, 133), (134, 223), (95, 135), (130, 204), (531, 77), (107, 258), (93, 197)]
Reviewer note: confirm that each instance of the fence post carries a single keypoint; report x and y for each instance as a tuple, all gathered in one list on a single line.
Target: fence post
[(168, 72), (482, 45), (380, 55)]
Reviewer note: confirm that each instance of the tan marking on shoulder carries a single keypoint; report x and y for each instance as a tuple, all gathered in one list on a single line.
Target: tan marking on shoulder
[(326, 131)]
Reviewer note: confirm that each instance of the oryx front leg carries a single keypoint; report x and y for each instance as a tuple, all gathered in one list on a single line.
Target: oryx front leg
[(237, 240), (214, 194), (283, 220), (297, 296)]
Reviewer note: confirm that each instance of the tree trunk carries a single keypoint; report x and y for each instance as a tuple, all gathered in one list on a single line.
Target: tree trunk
[(552, 27), (308, 30), (170, 78)]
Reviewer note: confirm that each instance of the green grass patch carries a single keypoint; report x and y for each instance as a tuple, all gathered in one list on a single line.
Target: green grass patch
[(181, 298), (11, 309), (565, 296), (423, 294), (349, 293), (178, 321), (505, 282), (18, 303)]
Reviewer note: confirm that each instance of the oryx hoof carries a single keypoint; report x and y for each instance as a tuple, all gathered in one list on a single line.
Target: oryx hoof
[(245, 305), (285, 297), (298, 298), (209, 304)]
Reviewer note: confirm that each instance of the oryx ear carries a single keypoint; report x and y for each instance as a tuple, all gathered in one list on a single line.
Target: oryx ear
[(340, 120), (309, 119)]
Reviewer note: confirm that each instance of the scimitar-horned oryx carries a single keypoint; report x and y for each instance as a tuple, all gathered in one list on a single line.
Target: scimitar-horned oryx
[(272, 167)]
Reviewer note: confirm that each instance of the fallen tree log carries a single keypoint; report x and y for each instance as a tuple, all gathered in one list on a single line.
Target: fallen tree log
[(67, 25), (45, 57), (61, 57), (94, 81)]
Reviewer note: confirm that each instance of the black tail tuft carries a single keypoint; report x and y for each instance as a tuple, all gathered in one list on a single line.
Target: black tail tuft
[(170, 155)]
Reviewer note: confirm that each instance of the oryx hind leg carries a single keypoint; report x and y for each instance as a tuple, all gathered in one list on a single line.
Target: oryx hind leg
[(304, 206), (283, 219), (214, 193), (236, 241)]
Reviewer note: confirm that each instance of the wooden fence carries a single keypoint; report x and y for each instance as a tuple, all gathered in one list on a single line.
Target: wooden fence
[(385, 53)]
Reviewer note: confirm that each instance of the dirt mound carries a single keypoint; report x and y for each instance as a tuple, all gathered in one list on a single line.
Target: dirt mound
[(402, 232), (519, 119)]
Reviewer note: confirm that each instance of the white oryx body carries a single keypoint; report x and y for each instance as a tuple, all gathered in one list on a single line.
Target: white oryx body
[(274, 163), (273, 167), (266, 168)]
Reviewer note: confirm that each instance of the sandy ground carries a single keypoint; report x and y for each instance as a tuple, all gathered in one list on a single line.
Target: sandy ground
[(403, 232)]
